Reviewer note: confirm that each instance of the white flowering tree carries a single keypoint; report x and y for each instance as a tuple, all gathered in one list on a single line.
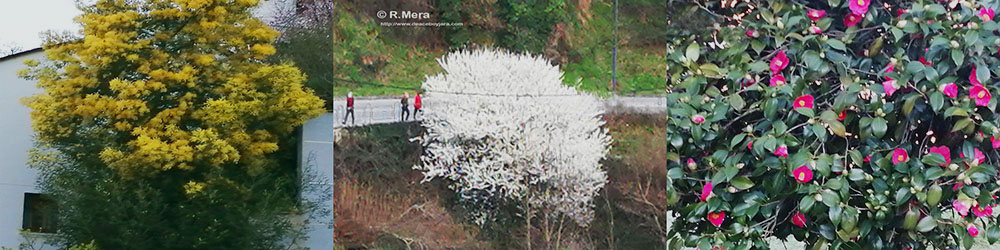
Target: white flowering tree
[(503, 128)]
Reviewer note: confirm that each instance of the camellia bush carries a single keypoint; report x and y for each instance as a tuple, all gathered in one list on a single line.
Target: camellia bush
[(845, 124), (505, 130)]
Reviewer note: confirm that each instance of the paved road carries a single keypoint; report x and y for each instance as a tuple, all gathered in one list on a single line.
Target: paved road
[(387, 110)]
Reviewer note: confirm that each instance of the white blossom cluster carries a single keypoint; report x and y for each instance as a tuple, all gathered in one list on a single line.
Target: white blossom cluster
[(504, 124)]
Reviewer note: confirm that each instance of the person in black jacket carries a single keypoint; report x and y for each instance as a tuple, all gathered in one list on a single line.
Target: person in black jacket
[(405, 102)]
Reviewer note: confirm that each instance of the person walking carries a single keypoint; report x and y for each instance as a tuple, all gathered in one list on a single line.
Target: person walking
[(416, 106), (350, 107), (405, 102)]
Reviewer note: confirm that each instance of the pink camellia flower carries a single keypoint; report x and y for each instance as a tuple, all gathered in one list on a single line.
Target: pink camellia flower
[(815, 29), (995, 142), (973, 79), (890, 87), (779, 62), (816, 14), (900, 12), (982, 211), (697, 119), (805, 101), (752, 33), (944, 151), (803, 174), (717, 218), (986, 14), (799, 219), (706, 191), (888, 69), (981, 95), (950, 90), (852, 19), (899, 155), (973, 231), (749, 81), (750, 145), (691, 163), (867, 158), (924, 61), (781, 151), (978, 156), (777, 80), (859, 7), (960, 207)]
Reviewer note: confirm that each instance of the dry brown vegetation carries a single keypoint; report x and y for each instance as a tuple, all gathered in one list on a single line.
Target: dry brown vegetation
[(380, 202)]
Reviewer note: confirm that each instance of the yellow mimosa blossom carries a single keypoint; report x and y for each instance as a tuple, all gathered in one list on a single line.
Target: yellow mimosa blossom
[(157, 87)]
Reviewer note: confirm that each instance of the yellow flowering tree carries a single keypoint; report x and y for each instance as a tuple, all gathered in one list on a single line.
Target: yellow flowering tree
[(174, 96)]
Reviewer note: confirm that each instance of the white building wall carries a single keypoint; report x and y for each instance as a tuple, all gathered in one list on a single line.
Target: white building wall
[(16, 178), (316, 159)]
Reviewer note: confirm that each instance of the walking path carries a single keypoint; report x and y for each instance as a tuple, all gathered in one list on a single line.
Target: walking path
[(380, 110)]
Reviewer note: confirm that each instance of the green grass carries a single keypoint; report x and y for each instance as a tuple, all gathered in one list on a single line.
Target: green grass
[(639, 73)]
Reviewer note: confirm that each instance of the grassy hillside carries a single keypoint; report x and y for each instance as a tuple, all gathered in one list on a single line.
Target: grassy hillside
[(371, 59)]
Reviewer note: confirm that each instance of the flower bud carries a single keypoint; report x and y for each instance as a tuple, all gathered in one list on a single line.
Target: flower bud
[(954, 44), (901, 24), (818, 197), (953, 167), (732, 189)]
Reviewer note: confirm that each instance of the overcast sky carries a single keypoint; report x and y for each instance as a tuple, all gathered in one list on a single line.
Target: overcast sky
[(21, 21)]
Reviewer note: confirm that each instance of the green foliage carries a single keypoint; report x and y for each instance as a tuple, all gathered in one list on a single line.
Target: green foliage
[(376, 60), (368, 63), (309, 48), (529, 23), (850, 138), (112, 211)]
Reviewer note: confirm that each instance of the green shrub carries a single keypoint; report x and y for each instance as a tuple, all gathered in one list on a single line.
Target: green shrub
[(894, 144)]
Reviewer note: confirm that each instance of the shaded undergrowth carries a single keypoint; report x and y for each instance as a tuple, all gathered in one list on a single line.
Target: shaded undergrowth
[(380, 202)]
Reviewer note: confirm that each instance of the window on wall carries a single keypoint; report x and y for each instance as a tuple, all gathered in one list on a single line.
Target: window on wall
[(39, 213)]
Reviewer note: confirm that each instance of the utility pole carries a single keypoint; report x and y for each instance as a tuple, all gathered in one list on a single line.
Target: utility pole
[(614, 53)]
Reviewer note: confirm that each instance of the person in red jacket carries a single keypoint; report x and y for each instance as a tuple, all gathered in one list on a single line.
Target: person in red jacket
[(416, 105), (350, 107)]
